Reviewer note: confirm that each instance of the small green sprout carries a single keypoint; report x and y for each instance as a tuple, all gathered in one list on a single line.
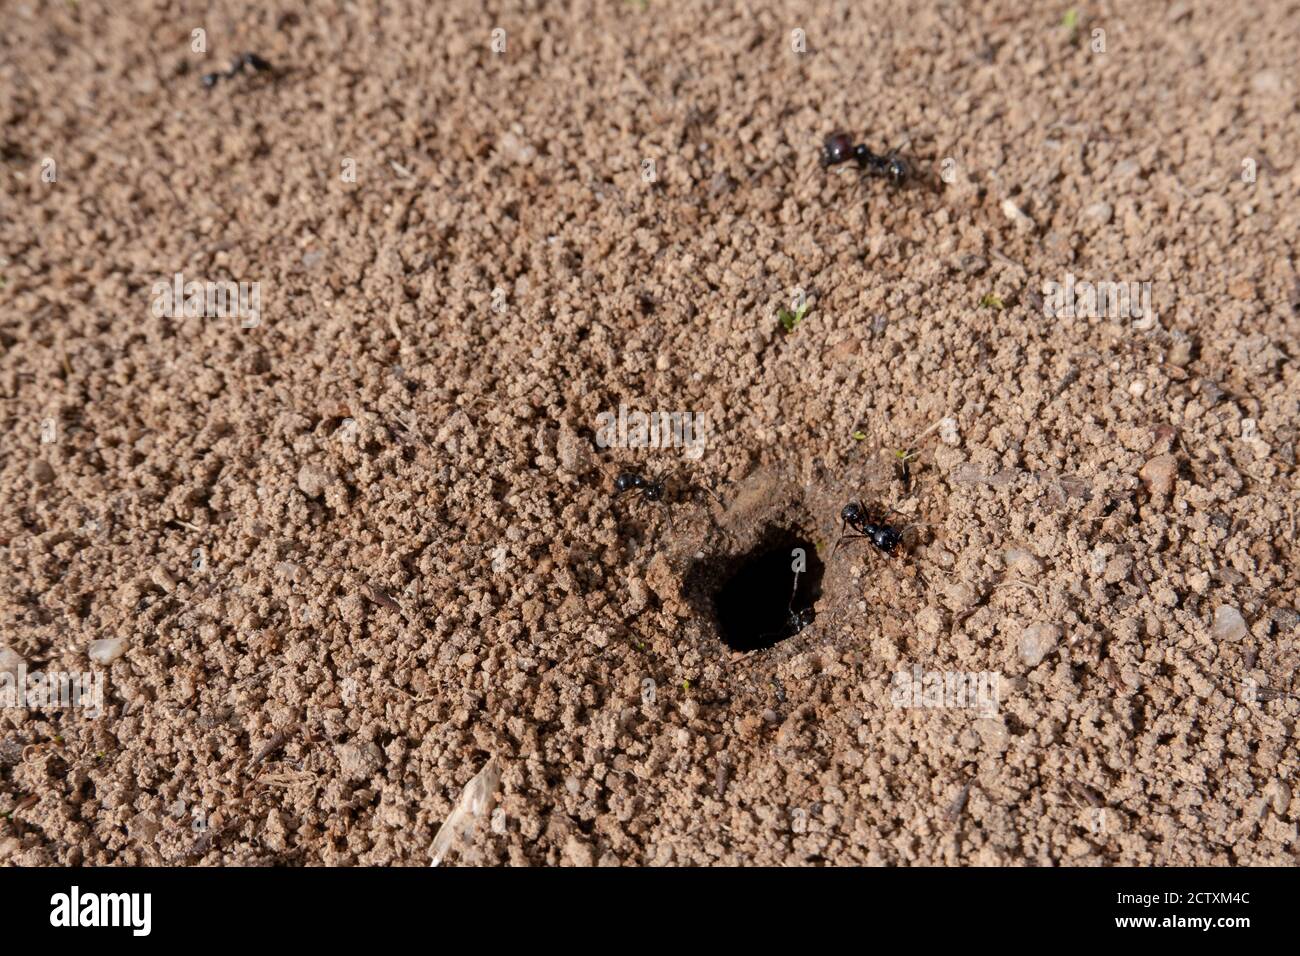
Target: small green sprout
[(859, 436), (992, 301), (790, 320), (1071, 20), (686, 686)]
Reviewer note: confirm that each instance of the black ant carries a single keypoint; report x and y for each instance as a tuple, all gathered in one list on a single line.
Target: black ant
[(885, 537), (839, 148), (250, 60), (650, 490), (629, 481), (795, 621), (800, 619)]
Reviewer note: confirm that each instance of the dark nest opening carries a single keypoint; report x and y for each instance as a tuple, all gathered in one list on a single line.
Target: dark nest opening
[(769, 593)]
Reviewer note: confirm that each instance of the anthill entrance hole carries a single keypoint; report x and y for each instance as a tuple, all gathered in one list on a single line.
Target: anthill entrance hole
[(771, 594)]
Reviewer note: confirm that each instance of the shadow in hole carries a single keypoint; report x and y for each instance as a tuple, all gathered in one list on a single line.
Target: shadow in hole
[(760, 603)]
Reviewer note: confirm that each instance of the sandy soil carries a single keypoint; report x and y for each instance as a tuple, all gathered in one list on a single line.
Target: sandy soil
[(364, 546)]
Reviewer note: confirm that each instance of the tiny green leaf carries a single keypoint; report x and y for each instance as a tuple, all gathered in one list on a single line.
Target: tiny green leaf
[(992, 301), (859, 436), (790, 320), (1071, 19)]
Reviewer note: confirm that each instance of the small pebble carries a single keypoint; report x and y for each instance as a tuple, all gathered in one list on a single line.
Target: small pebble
[(1016, 215), (107, 650), (1017, 559), (163, 579), (1099, 213), (948, 432), (1158, 474), (1037, 641), (10, 660), (312, 481), (1229, 625)]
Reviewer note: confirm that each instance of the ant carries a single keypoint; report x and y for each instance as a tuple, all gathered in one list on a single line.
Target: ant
[(250, 60), (885, 537), (651, 490), (795, 621), (630, 481), (839, 148), (799, 619)]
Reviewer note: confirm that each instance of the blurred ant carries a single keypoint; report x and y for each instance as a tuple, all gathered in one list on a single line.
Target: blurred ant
[(795, 622), (799, 619), (883, 536), (250, 60), (839, 148)]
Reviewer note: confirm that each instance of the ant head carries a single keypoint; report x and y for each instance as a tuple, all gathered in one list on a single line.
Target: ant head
[(838, 148), (852, 512), (896, 170), (655, 491)]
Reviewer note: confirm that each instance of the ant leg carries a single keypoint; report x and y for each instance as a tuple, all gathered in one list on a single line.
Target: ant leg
[(850, 537)]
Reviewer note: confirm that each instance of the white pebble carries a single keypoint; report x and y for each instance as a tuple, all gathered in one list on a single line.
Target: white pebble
[(1229, 625), (1036, 641), (1016, 215), (107, 650), (1023, 561), (1099, 212), (948, 431), (10, 660)]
